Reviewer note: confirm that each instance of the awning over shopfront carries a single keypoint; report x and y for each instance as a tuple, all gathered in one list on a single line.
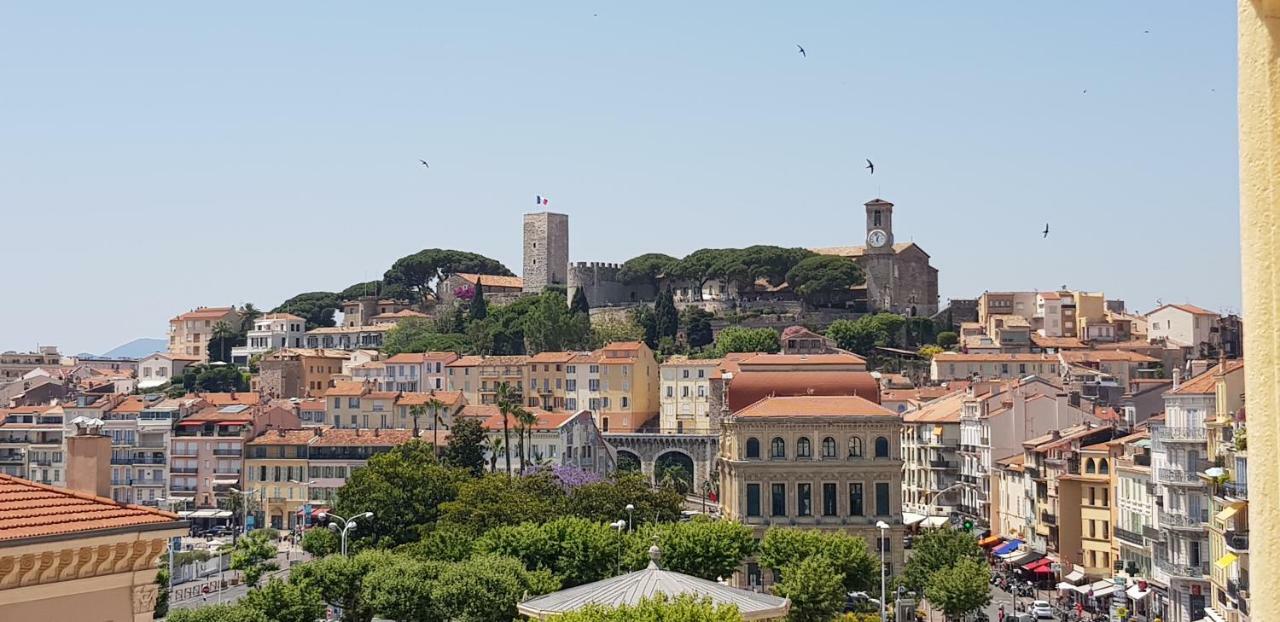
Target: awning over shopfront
[(1043, 561), (1225, 561), (934, 522), (911, 518), (1075, 576), (1136, 593), (205, 513), (1022, 557), (990, 541), (1008, 547)]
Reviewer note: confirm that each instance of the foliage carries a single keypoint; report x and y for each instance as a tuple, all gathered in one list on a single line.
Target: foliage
[(868, 332), (255, 554), (960, 589), (644, 318), (576, 550), (934, 550), (947, 339), (580, 304), (549, 326), (604, 501), (496, 500), (815, 588), (647, 268), (697, 326), (607, 331), (705, 548), (284, 602), (465, 449), (379, 288), (418, 272), (928, 351), (404, 489), (339, 581), (919, 331), (487, 588), (478, 308), (848, 555), (666, 319), (445, 542), (218, 613), (223, 338), (502, 331), (740, 339), (319, 542), (162, 597), (571, 477), (659, 609), (824, 279), (213, 379), (402, 590), (317, 308), (772, 263), (419, 334)]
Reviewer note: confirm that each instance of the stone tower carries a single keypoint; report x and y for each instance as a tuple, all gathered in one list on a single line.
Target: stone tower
[(546, 250), (879, 226), (878, 259)]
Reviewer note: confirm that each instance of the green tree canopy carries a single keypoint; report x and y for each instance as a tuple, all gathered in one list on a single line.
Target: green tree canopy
[(445, 542), (709, 549), (659, 609), (607, 331), (317, 308), (934, 550), (697, 326), (740, 339), (666, 319), (960, 589), (218, 613), (496, 500), (281, 601), (815, 587), (339, 581), (647, 268), (604, 501), (418, 334), (204, 378), (402, 590), (868, 332), (376, 288), (549, 326), (478, 308), (580, 304), (465, 449), (487, 588), (948, 339), (645, 319), (783, 547), (574, 549), (421, 271), (319, 541), (823, 280), (404, 489), (255, 554)]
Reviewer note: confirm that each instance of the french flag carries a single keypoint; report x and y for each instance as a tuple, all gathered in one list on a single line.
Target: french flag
[(543, 200)]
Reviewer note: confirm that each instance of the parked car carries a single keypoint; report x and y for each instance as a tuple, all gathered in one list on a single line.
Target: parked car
[(1042, 610)]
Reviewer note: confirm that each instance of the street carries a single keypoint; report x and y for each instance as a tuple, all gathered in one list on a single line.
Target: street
[(234, 593)]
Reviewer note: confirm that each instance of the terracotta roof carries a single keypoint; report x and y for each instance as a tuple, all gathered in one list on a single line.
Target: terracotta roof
[(281, 316), (486, 361), (800, 332), (355, 437), (1097, 447), (214, 413), (31, 510), (131, 405), (1061, 343), (1192, 309), (227, 399), (858, 251), (617, 346), (401, 314), (942, 410), (347, 388), (1097, 356), (546, 420), (815, 406), (449, 398), (206, 313), (284, 437), (1207, 382), (958, 357), (342, 330), (803, 359), (421, 357), (311, 352), (1015, 459), (492, 280), (552, 357), (749, 387)]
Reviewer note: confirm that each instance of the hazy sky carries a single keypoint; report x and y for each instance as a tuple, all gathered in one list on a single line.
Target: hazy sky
[(160, 158)]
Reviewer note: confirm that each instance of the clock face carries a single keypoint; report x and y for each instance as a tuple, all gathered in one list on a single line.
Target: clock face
[(877, 238)]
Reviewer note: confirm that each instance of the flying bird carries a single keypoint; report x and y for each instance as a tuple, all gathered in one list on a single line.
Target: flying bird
[(424, 163), (799, 47), (1046, 230), (870, 166)]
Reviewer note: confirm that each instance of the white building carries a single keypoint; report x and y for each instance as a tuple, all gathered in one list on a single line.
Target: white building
[(684, 395), (272, 331), (1184, 325), (162, 367), (1015, 518), (988, 366), (558, 439), (31, 444), (930, 469), (418, 371), (1135, 506)]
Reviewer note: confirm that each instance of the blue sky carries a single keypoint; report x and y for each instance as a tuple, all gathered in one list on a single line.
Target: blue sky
[(157, 159)]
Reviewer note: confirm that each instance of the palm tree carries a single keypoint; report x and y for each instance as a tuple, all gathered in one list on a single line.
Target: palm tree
[(495, 446), (248, 313), (223, 332), (508, 399), (525, 420), (436, 420), (415, 412)]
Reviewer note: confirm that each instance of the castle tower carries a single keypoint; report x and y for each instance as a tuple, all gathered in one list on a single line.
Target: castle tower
[(879, 226), (546, 250)]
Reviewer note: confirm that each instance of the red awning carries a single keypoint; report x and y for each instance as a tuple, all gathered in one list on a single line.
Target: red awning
[(1044, 569), (1043, 561), (232, 423), (315, 514)]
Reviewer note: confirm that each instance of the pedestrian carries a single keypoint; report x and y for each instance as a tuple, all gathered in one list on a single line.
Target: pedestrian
[(1000, 614)]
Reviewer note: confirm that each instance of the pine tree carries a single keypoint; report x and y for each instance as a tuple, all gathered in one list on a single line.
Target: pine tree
[(667, 318), (479, 309), (579, 303)]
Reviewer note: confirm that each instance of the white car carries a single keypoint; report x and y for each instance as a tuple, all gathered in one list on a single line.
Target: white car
[(1042, 610)]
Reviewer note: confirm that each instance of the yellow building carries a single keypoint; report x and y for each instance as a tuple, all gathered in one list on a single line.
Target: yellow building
[(478, 377), (276, 476), (1087, 496), (548, 380), (628, 386), (190, 332), (1227, 449), (360, 405)]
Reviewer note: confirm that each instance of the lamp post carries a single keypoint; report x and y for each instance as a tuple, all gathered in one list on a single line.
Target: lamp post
[(306, 496), (244, 500), (883, 527), (347, 524), (630, 508), (619, 525)]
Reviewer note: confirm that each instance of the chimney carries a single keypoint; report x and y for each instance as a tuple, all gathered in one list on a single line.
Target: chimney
[(1177, 378), (375, 432), (89, 458)]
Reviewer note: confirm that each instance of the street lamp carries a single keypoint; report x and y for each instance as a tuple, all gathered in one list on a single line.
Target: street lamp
[(347, 524), (883, 527), (630, 508), (244, 500), (619, 525), (306, 498)]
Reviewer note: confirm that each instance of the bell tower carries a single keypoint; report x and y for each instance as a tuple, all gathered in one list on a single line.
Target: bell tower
[(879, 226)]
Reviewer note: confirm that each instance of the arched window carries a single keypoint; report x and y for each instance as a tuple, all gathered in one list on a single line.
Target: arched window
[(882, 447), (1103, 468), (855, 446), (804, 448), (1089, 466), (753, 448), (828, 447), (777, 448)]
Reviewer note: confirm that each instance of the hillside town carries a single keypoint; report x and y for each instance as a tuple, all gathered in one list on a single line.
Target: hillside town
[(1092, 458)]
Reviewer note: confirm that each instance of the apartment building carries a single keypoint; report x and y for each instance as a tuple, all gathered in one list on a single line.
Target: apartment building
[(1052, 465), (1179, 456), (162, 367), (272, 331), (1182, 324), (478, 377), (294, 373), (930, 461), (816, 462), (416, 371), (685, 393), (361, 405), (276, 481), (31, 444), (1012, 333), (368, 337), (207, 449), (557, 439), (628, 386), (190, 332), (362, 311), (335, 453), (548, 376), (15, 365), (1229, 527), (1086, 505), (1134, 504), (1010, 500), (966, 366)]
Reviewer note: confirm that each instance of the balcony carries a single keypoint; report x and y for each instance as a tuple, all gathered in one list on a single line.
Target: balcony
[(185, 470), (43, 462), (121, 460), (1182, 571), (186, 452), (1048, 519), (1178, 435), (1237, 541), (220, 451), (1131, 537), (1152, 534), (153, 460), (1179, 477), (13, 458), (1235, 491), (1184, 521), (941, 464), (1238, 589), (182, 488)]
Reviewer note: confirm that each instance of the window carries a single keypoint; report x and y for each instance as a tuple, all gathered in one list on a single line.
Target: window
[(855, 499), (882, 498), (855, 446), (804, 449), (1089, 466), (1103, 468), (702, 373), (828, 447), (684, 391), (778, 500), (702, 391), (804, 499), (337, 402), (882, 447), (671, 391), (777, 448), (353, 402), (753, 448), (753, 499), (829, 499), (571, 385), (686, 373), (625, 401)]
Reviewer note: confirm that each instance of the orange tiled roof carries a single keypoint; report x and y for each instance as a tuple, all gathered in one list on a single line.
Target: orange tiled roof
[(347, 388), (622, 346), (355, 437), (31, 510), (942, 410), (450, 398), (857, 251), (227, 399), (546, 420), (1185, 307), (1097, 356), (1207, 382), (420, 357), (815, 406), (284, 437), (1061, 343), (403, 313), (214, 413), (959, 357), (492, 280), (803, 359), (552, 357), (131, 405), (207, 313)]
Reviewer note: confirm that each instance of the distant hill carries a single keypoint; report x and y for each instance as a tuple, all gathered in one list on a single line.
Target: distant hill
[(137, 348)]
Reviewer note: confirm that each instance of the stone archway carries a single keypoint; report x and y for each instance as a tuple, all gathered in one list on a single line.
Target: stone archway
[(700, 449), (676, 468), (629, 462)]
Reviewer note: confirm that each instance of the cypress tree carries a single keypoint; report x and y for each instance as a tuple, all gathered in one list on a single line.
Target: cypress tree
[(479, 309)]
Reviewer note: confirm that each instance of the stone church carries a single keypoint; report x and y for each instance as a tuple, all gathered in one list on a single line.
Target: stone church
[(899, 277)]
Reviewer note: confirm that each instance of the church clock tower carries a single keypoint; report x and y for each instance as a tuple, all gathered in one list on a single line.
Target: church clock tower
[(879, 226)]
